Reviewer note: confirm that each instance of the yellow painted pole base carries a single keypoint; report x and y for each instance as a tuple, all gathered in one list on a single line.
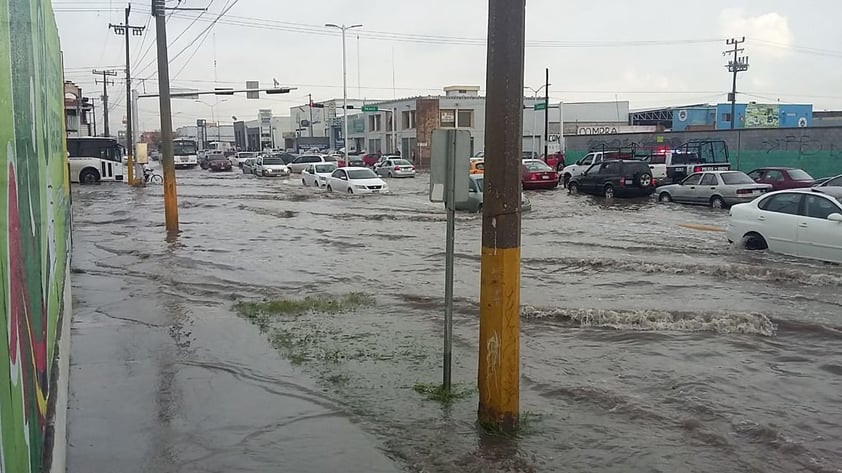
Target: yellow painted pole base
[(499, 338)]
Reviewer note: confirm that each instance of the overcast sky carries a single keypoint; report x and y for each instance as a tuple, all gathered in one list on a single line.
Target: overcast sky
[(650, 52)]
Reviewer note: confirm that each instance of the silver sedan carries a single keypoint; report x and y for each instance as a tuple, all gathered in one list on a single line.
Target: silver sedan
[(719, 189), (395, 167)]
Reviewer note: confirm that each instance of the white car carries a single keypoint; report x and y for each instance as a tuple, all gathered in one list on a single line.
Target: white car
[(301, 162), (270, 166), (356, 180), (315, 175), (795, 222)]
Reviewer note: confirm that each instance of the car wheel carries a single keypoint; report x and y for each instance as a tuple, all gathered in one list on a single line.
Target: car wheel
[(390, 175), (479, 208), (351, 190), (665, 197), (316, 184), (572, 188), (304, 183), (754, 242), (566, 180), (609, 191), (644, 180), (717, 202), (89, 176), (329, 189)]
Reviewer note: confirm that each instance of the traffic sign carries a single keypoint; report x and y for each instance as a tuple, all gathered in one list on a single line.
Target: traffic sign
[(371, 108), (540, 106)]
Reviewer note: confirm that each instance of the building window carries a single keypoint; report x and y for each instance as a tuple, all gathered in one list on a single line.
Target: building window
[(448, 119), (374, 122), (726, 117), (465, 119), (408, 119), (374, 146)]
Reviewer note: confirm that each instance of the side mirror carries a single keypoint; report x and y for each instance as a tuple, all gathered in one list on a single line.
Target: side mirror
[(835, 217), (585, 173)]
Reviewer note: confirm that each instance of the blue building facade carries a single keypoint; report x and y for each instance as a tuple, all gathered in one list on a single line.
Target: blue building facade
[(750, 115), (690, 117), (755, 115)]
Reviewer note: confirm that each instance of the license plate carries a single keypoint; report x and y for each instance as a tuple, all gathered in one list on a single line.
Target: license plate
[(374, 191), (545, 177), (629, 182)]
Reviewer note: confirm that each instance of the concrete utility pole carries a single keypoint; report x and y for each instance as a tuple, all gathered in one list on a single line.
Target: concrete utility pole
[(499, 338), (105, 83), (344, 28), (125, 29), (738, 64), (310, 96), (167, 158)]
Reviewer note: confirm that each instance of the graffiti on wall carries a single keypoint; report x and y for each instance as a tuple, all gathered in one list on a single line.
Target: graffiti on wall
[(803, 144), (34, 196)]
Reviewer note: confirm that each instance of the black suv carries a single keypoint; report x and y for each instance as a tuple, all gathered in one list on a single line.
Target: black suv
[(615, 178)]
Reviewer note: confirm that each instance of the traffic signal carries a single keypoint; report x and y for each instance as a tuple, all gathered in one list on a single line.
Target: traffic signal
[(278, 90)]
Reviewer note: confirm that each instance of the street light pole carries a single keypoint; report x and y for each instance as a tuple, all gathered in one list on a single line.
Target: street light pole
[(344, 28), (535, 93)]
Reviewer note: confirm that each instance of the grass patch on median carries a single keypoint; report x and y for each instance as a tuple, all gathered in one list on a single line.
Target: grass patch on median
[(260, 312), (436, 392)]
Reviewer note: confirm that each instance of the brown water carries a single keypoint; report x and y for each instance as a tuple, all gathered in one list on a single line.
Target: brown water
[(646, 345)]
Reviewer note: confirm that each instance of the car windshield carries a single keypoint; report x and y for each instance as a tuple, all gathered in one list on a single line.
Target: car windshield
[(733, 178), (537, 166), (218, 157), (245, 155), (401, 162), (361, 174), (799, 175), (273, 161), (325, 168), (183, 148)]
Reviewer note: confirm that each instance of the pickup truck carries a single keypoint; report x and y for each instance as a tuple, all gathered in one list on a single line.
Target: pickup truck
[(673, 166)]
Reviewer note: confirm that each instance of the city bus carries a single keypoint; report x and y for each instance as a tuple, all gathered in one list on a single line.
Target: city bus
[(185, 153), (94, 159)]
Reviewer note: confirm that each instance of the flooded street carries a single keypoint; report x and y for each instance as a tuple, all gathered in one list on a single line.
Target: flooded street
[(648, 344)]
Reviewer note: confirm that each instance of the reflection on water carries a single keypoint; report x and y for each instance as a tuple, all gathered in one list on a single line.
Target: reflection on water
[(647, 345)]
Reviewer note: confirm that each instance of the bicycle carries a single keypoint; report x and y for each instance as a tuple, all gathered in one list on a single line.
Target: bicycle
[(151, 177)]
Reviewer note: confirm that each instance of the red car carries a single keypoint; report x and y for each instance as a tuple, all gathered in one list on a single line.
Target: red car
[(537, 175), (782, 178), (555, 161), (370, 159), (219, 163)]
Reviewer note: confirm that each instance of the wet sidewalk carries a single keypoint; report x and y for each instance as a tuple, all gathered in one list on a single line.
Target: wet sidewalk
[(165, 379)]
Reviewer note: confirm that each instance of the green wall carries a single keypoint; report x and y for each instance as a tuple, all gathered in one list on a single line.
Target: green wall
[(817, 150), (34, 220)]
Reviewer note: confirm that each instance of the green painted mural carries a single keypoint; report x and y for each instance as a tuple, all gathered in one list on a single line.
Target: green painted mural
[(35, 202)]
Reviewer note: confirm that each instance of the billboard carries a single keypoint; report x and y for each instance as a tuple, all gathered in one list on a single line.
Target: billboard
[(760, 115)]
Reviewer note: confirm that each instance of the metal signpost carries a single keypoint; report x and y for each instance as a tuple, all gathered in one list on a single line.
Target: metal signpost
[(451, 151)]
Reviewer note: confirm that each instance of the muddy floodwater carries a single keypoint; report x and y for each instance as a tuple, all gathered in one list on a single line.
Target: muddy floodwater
[(647, 343)]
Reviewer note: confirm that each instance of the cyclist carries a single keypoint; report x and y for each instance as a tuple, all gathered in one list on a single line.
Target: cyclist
[(147, 172)]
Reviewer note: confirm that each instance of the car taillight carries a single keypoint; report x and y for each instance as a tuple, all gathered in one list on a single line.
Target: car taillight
[(413, 168), (533, 176), (397, 168), (743, 191)]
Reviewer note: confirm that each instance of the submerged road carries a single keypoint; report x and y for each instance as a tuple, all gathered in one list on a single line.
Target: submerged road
[(648, 344)]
